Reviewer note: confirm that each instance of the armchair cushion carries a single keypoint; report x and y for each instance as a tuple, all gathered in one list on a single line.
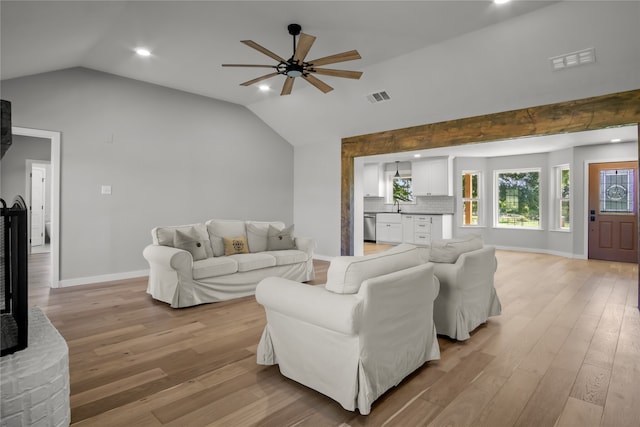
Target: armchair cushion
[(346, 273), (448, 250)]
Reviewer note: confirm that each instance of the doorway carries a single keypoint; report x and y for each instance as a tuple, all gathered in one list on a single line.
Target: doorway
[(54, 187), (38, 197), (613, 234)]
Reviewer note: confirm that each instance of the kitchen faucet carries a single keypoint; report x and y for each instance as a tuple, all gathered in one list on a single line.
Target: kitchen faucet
[(394, 203)]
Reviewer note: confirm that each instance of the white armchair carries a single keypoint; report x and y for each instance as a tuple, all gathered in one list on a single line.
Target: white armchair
[(467, 295), (359, 335)]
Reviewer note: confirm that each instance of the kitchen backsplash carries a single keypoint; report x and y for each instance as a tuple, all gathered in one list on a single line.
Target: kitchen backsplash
[(424, 204)]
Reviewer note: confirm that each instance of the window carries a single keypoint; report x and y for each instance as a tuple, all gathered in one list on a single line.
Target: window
[(563, 192), (471, 198), (399, 189), (518, 198), (616, 191)]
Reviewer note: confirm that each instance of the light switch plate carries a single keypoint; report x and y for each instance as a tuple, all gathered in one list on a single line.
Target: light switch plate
[(106, 189)]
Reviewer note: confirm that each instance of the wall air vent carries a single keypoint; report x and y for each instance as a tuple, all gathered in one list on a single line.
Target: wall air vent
[(382, 96), (573, 59)]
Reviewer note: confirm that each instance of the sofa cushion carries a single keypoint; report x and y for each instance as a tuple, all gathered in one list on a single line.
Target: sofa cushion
[(280, 239), (164, 235), (346, 273), (448, 250), (221, 228), (257, 232), (235, 245), (213, 267), (249, 262), (190, 241), (291, 256)]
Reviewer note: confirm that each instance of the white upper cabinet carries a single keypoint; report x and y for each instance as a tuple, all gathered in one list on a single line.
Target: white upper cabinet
[(372, 177), (431, 177)]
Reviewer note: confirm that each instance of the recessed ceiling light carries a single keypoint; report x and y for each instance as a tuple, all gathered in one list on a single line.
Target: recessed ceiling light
[(501, 1), (264, 88), (143, 52), (616, 140), (417, 155)]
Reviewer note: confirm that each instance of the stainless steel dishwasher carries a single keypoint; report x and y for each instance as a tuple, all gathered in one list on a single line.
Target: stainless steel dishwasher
[(370, 227)]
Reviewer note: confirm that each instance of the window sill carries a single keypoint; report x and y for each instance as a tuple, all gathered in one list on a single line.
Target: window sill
[(518, 228), (560, 230), (473, 226)]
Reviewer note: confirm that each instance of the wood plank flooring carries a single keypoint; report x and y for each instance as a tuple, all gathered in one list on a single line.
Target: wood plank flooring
[(564, 352)]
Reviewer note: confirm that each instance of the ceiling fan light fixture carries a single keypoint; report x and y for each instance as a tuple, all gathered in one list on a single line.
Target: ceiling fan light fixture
[(296, 66)]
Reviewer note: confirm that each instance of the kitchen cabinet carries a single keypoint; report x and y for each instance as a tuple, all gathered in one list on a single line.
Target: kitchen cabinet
[(430, 177), (388, 228), (423, 229), (371, 180), (407, 228)]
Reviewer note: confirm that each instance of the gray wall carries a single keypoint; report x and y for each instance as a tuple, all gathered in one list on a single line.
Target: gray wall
[(12, 182), (170, 157)]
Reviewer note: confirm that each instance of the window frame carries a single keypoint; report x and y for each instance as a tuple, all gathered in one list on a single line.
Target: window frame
[(477, 199), (388, 188), (559, 198), (496, 198)]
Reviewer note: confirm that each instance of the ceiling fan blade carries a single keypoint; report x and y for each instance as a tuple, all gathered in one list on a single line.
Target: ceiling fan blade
[(304, 45), (264, 50), (338, 73), (288, 85), (318, 83), (338, 57), (259, 79), (249, 65)]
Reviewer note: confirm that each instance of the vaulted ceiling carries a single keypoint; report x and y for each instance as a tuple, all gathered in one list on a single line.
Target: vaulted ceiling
[(189, 40)]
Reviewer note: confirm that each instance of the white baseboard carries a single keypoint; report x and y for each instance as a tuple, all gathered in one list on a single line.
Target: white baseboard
[(103, 278), (541, 251)]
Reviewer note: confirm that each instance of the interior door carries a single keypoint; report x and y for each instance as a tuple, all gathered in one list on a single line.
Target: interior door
[(37, 206), (612, 211)]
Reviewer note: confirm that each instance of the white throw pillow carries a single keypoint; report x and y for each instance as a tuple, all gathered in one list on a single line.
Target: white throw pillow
[(448, 250), (257, 236)]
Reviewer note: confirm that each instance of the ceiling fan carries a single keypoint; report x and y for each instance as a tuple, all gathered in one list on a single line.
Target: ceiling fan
[(296, 66)]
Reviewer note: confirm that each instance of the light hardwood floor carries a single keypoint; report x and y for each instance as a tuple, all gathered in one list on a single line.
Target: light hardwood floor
[(564, 352)]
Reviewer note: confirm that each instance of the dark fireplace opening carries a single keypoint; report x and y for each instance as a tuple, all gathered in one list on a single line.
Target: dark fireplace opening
[(13, 274)]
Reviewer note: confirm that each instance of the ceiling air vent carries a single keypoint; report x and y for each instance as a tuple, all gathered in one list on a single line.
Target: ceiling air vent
[(374, 98), (573, 59)]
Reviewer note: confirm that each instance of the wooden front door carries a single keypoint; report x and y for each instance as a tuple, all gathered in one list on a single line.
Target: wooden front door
[(612, 211)]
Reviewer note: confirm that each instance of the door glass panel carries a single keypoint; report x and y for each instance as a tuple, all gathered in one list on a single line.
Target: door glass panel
[(616, 191)]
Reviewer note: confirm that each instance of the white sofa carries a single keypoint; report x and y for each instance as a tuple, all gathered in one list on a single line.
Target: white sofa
[(465, 268), (191, 265), (357, 336)]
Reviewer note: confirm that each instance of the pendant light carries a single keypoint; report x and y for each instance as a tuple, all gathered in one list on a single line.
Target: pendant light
[(397, 175)]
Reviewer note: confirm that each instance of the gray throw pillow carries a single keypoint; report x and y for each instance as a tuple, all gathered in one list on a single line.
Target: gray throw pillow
[(278, 240), (190, 241)]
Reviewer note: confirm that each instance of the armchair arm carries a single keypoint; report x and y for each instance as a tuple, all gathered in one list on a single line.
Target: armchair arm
[(169, 258), (310, 304)]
